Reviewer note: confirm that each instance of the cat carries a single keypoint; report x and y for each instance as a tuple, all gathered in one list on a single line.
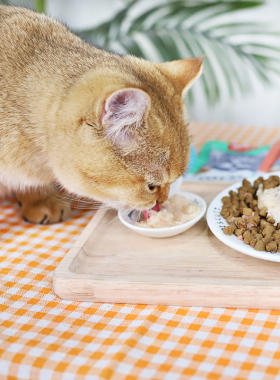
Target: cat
[(108, 127)]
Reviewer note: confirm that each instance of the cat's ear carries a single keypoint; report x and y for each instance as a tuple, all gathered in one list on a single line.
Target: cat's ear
[(124, 112), (182, 72)]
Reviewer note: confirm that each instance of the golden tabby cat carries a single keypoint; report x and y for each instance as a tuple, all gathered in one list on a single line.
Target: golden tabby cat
[(109, 127)]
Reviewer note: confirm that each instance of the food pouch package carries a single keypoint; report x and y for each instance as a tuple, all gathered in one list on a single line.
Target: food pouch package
[(223, 161)]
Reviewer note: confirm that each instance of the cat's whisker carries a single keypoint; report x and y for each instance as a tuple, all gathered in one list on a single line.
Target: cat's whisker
[(82, 203), (82, 214), (78, 199), (85, 213), (112, 220), (75, 198), (124, 212), (79, 206), (73, 205)]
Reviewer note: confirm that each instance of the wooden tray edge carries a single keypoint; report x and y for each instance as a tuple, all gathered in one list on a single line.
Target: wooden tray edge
[(93, 223), (63, 266), (179, 295)]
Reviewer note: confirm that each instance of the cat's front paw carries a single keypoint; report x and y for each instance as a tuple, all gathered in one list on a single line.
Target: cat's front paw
[(45, 211)]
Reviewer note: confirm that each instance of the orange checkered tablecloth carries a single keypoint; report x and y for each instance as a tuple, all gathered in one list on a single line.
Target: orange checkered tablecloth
[(44, 337)]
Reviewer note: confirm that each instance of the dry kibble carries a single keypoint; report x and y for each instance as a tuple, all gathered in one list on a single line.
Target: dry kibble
[(267, 239), (247, 221), (240, 223), (256, 218), (260, 246), (243, 188), (242, 196), (225, 212), (246, 183), (254, 203), (270, 220), (247, 237), (263, 211), (253, 242), (229, 230), (269, 184), (254, 231), (248, 198), (239, 231), (247, 211), (226, 200), (258, 236), (258, 182), (264, 223), (247, 233), (272, 246), (227, 205), (235, 203), (251, 223), (268, 231), (235, 211), (230, 219), (242, 205), (276, 179), (276, 235), (233, 194)]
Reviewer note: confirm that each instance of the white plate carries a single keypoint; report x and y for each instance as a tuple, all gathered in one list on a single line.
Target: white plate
[(216, 224), (128, 221)]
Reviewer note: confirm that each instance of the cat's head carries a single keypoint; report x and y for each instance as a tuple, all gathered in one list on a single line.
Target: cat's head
[(123, 131)]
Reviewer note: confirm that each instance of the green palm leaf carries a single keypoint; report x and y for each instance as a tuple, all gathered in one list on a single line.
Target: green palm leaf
[(176, 29)]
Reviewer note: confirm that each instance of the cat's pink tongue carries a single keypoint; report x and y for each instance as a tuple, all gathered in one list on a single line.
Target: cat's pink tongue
[(146, 212)]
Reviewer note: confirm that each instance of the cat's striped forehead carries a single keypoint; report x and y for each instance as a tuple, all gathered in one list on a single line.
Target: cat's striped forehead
[(154, 168)]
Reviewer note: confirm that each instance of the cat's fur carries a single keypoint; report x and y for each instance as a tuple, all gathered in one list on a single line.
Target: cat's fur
[(102, 125)]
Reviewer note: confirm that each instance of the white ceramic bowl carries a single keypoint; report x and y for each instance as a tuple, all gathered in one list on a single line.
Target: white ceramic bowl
[(128, 221)]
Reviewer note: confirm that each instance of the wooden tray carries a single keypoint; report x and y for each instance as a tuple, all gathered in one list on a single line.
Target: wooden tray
[(110, 263)]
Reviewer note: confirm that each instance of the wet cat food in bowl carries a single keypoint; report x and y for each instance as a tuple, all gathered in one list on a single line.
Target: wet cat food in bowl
[(175, 211), (178, 214)]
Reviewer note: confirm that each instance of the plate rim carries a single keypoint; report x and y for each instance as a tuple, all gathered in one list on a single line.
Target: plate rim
[(246, 249)]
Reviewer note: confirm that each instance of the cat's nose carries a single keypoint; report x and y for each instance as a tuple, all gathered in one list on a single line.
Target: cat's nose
[(163, 194)]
